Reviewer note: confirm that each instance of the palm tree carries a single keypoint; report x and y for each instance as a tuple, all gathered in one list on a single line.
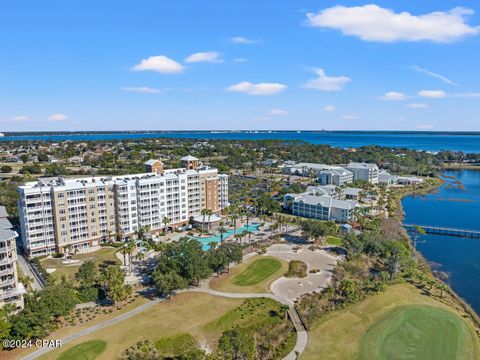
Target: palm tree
[(27, 281), (140, 256), (249, 234), (238, 237), (417, 231), (165, 221), (212, 245), (130, 248), (209, 213), (124, 252), (221, 231), (234, 218), (203, 212)]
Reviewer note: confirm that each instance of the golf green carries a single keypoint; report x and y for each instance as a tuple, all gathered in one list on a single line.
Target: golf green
[(418, 332), (85, 351), (257, 272)]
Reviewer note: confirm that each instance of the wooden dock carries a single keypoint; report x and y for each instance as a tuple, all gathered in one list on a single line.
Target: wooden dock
[(439, 230)]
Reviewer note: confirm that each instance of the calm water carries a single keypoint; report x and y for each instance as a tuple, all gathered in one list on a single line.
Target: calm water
[(452, 206), (419, 141)]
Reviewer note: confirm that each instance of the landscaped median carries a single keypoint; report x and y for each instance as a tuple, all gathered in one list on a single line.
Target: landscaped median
[(390, 325)]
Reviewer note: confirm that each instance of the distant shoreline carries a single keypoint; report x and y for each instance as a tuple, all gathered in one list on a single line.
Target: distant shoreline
[(101, 132)]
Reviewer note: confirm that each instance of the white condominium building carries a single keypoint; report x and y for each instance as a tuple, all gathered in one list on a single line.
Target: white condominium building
[(57, 213), (337, 176), (11, 291), (320, 202), (364, 172)]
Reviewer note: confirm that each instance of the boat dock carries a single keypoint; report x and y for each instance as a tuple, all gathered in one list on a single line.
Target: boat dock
[(439, 230)]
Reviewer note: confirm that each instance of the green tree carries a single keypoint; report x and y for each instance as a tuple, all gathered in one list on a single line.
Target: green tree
[(87, 274), (6, 169), (112, 280), (221, 231), (236, 344), (5, 324), (166, 284), (165, 221)]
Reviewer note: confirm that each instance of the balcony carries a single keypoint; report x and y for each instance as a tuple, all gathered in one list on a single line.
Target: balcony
[(8, 260), (7, 271), (8, 282)]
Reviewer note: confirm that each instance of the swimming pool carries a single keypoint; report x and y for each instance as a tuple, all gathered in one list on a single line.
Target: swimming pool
[(216, 238)]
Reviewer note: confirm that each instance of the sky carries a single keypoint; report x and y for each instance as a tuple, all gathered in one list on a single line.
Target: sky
[(239, 64)]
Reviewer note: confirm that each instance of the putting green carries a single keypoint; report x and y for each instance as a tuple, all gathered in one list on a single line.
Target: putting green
[(418, 332), (257, 272), (85, 351)]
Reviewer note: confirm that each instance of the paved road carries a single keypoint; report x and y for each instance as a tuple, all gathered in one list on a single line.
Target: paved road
[(26, 269), (96, 327)]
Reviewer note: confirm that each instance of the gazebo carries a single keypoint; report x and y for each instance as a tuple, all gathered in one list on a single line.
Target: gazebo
[(207, 222)]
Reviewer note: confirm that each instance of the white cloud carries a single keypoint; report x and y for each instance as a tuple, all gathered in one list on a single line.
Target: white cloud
[(240, 60), (424, 126), (329, 108), (243, 40), (257, 89), (394, 96), (141, 90), (276, 112), (58, 117), (206, 56), (19, 118), (434, 75), (374, 23), (326, 83), (350, 117), (435, 94), (161, 64), (416, 106)]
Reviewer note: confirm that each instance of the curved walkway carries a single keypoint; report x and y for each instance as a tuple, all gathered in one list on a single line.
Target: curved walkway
[(302, 335)]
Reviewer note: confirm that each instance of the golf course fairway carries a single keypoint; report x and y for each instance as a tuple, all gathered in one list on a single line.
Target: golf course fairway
[(417, 332)]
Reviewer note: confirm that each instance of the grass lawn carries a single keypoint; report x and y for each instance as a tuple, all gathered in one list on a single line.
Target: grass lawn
[(333, 240), (420, 332), (185, 313), (85, 351), (344, 334), (253, 276), (169, 346), (104, 254), (65, 331), (259, 313)]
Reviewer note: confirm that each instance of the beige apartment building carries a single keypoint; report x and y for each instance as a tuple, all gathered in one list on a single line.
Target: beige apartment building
[(11, 291), (57, 214)]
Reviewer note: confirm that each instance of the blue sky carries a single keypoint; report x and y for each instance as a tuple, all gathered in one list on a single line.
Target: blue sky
[(163, 65)]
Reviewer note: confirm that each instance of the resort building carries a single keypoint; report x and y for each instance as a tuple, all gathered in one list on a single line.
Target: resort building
[(364, 172), (384, 177), (58, 214), (11, 291), (306, 169), (337, 176), (318, 202)]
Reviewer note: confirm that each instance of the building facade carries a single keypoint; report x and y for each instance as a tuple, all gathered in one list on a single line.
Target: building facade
[(11, 291), (320, 203), (58, 214), (364, 172), (338, 176)]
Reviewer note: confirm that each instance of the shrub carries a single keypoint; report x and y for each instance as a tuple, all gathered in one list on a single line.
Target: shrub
[(297, 268)]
